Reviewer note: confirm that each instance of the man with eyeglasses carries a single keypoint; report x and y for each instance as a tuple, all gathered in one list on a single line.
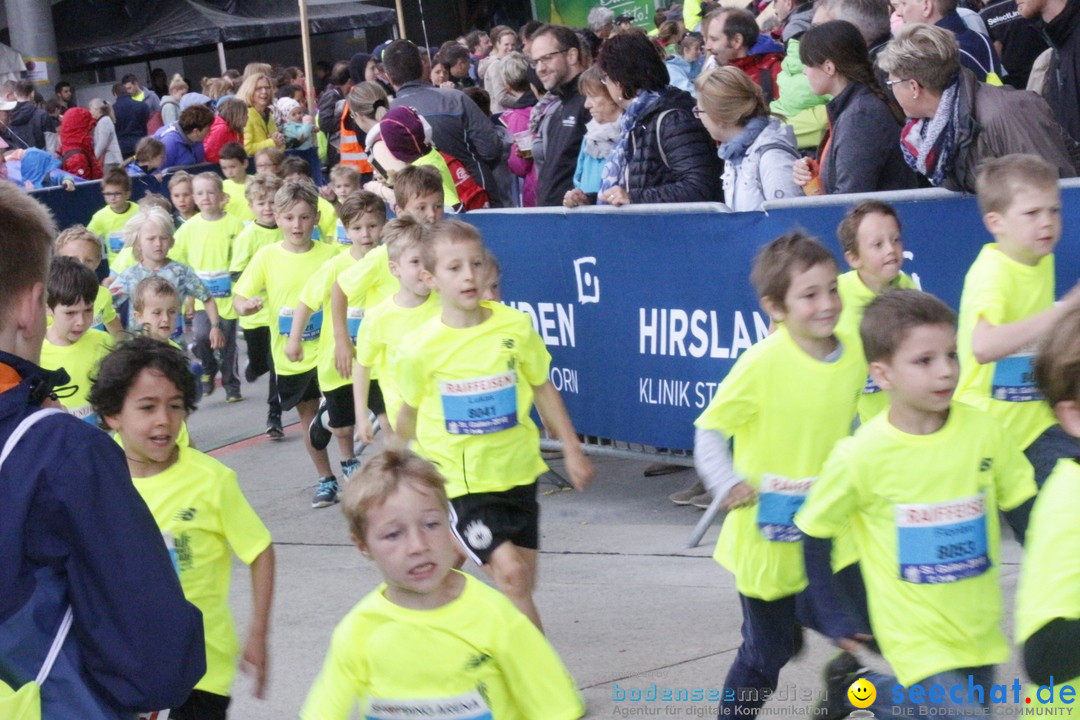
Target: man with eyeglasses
[(556, 55)]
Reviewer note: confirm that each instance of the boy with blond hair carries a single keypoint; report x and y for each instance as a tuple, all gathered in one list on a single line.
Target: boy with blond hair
[(181, 197), (1007, 305), (279, 272), (79, 243), (920, 486), (344, 181), (468, 380), (256, 235), (483, 657)]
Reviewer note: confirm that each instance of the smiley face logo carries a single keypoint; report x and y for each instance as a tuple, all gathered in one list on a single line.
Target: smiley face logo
[(862, 693)]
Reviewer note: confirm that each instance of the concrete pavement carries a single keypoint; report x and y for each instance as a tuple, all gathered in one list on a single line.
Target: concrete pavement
[(623, 603)]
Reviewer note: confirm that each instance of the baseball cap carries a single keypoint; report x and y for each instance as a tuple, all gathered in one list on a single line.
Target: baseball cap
[(7, 104)]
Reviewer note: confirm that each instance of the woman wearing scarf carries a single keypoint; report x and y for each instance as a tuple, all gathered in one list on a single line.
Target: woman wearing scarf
[(758, 151), (663, 154), (954, 121), (859, 152), (601, 135)]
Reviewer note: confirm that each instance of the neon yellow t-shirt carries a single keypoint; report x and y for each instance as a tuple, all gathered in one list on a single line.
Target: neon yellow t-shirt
[(924, 512), (1001, 291), (379, 344), (473, 391), (81, 360), (326, 230), (785, 411), (237, 206), (207, 246), (199, 504), (481, 659), (316, 295), (1050, 576), (251, 239), (104, 312), (109, 226), (279, 275), (435, 160), (855, 297), (369, 280), (124, 259)]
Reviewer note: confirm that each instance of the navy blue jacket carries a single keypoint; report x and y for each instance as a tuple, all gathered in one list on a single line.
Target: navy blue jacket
[(977, 53), (131, 119), (74, 531)]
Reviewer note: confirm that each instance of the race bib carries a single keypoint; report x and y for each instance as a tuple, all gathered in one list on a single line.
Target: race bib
[(342, 235), (178, 331), (480, 406), (316, 234), (116, 241), (311, 331), (779, 498), (871, 387), (1014, 378), (463, 707), (85, 412), (217, 282), (170, 544), (942, 542), (98, 323), (353, 318)]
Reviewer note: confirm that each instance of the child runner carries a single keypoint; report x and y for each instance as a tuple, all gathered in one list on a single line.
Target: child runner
[(280, 272), (482, 657), (108, 222), (468, 382), (233, 162), (144, 392), (79, 243)]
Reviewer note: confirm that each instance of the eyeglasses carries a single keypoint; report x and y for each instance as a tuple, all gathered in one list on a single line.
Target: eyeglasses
[(697, 111), (890, 83), (545, 59)]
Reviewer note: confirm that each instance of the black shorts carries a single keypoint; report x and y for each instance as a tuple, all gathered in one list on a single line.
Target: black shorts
[(341, 408), (295, 389), (201, 705), (483, 521)]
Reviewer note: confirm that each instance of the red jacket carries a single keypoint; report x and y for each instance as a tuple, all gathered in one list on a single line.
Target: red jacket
[(77, 144), (219, 135), (762, 69)]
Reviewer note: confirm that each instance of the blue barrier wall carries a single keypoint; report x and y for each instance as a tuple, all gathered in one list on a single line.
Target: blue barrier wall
[(644, 313)]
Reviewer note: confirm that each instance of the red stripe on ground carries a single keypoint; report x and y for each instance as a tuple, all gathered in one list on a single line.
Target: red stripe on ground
[(293, 429)]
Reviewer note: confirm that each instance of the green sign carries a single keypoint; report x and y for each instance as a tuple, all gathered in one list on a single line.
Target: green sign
[(575, 13)]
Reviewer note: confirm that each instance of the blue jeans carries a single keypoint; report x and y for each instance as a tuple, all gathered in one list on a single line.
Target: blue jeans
[(884, 707)]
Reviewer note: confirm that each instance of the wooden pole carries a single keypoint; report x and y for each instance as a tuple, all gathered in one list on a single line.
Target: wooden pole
[(305, 42), (221, 58), (400, 19)]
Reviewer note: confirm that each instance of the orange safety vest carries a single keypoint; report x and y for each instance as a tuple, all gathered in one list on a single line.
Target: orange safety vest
[(351, 148)]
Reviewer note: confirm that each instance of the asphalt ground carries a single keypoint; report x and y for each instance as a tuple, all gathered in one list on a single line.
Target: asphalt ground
[(626, 606)]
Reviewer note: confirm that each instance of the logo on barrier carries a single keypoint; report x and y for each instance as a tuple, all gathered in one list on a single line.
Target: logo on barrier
[(588, 284)]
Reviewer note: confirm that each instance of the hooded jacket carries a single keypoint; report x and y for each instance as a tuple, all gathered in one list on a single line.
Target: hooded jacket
[(863, 152), (131, 119), (804, 110), (77, 144), (220, 134), (559, 141), (179, 149), (995, 121), (671, 157), (763, 64), (76, 533), (1062, 88), (764, 172), (28, 124)]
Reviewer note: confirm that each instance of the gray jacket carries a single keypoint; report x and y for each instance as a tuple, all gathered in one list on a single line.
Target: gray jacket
[(764, 173), (458, 128)]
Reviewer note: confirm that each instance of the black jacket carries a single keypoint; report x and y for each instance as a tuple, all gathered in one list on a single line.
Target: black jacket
[(1062, 90), (676, 162), (864, 149), (28, 124), (561, 132)]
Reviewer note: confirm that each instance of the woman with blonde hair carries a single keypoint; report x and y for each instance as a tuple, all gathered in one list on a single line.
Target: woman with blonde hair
[(170, 104), (758, 151), (261, 131)]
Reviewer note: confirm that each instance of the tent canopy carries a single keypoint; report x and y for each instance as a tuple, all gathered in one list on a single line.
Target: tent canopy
[(90, 32), (11, 64)]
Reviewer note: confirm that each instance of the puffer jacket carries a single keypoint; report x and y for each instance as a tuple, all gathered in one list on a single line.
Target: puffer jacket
[(863, 154), (671, 156), (996, 121), (764, 173)]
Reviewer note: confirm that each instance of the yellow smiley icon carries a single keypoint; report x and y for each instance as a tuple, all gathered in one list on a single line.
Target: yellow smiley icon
[(862, 693)]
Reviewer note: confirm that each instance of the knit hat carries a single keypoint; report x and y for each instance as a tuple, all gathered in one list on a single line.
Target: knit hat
[(285, 105), (404, 134), (357, 67)]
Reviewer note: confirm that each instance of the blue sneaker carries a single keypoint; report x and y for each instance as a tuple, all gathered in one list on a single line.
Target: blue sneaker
[(326, 492), (348, 467)]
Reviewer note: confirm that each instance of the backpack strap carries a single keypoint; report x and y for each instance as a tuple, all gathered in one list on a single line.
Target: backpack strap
[(65, 624), (659, 142), (781, 146)]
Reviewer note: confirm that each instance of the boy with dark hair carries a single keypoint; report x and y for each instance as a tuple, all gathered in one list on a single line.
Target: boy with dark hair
[(796, 388), (144, 393), (233, 161), (920, 486), (71, 343), (79, 243), (108, 222)]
